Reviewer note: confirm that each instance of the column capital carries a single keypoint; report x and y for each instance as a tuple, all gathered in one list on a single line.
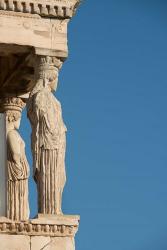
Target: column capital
[(11, 103), (45, 62)]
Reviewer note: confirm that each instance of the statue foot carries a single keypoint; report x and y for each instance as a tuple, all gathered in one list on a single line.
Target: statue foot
[(59, 212)]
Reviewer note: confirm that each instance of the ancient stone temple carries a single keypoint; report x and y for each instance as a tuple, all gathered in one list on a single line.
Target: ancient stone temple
[(33, 47)]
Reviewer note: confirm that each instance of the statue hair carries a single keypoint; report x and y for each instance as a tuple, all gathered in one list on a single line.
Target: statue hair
[(12, 116)]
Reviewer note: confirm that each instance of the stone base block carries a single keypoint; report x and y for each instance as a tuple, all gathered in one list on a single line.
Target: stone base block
[(42, 233), (14, 242), (22, 242), (52, 243)]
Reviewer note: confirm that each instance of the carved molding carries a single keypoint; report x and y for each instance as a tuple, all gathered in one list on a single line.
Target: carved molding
[(30, 228), (57, 9), (52, 62), (11, 103)]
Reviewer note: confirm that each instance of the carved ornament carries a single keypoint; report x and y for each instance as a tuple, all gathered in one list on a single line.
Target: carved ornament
[(55, 8), (39, 228), (11, 103)]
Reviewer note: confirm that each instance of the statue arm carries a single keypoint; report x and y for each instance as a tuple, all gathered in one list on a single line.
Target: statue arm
[(14, 146), (46, 112)]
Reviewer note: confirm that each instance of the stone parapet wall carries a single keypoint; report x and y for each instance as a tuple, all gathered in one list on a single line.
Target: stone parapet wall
[(43, 233), (22, 242)]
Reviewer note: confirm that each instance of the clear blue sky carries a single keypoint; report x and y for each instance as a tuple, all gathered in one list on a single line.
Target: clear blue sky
[(113, 90)]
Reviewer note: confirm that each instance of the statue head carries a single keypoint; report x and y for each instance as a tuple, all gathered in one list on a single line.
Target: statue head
[(46, 73), (51, 79), (12, 107), (13, 119)]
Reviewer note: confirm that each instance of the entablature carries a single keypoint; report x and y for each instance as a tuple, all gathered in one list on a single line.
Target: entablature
[(61, 9)]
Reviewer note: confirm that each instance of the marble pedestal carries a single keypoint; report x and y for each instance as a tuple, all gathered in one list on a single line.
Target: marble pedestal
[(42, 233)]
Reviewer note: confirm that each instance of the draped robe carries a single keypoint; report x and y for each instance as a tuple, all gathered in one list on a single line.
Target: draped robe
[(17, 183), (48, 148)]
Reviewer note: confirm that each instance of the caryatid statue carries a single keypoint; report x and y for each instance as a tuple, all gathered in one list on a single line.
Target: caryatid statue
[(48, 136), (17, 164)]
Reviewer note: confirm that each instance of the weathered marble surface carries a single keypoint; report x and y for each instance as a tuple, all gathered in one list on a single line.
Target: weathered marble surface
[(45, 232), (22, 242), (52, 226), (14, 242), (33, 47), (49, 8), (52, 243), (18, 173), (32, 30), (3, 165), (48, 136), (29, 28), (36, 23), (15, 165)]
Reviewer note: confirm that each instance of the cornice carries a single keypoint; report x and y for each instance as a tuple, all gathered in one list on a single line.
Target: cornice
[(61, 9)]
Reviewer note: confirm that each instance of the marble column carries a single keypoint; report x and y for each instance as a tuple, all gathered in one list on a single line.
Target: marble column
[(33, 47), (14, 165), (48, 136), (2, 165)]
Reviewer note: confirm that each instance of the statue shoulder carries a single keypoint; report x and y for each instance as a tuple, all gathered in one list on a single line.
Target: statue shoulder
[(56, 101), (13, 134), (42, 100), (14, 140)]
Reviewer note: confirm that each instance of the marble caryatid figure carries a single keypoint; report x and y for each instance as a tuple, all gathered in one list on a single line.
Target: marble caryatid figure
[(48, 136), (17, 165), (33, 48)]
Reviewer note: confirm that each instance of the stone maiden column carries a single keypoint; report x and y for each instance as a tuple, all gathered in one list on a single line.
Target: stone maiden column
[(53, 231), (3, 172), (48, 136), (36, 31), (48, 149), (15, 168)]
